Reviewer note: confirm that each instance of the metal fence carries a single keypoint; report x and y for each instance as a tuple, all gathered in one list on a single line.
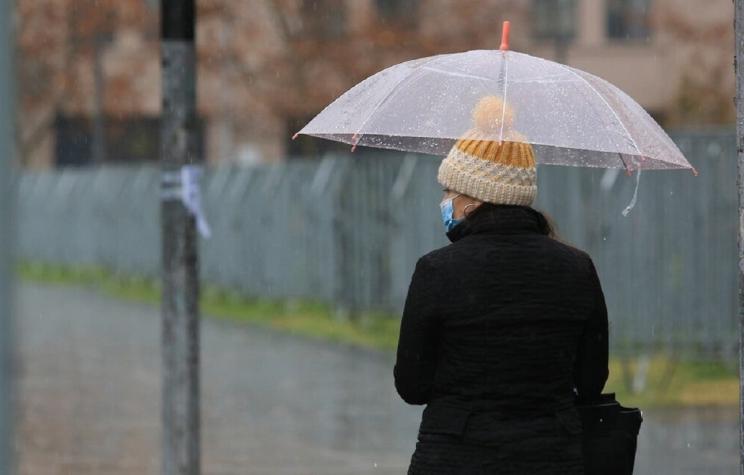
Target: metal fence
[(348, 230)]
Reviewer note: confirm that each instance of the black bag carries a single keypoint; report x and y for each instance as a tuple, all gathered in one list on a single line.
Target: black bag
[(610, 435)]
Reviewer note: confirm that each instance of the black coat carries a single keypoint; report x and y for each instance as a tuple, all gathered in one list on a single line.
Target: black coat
[(498, 329)]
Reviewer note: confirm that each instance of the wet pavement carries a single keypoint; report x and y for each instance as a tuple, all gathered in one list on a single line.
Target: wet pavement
[(272, 403)]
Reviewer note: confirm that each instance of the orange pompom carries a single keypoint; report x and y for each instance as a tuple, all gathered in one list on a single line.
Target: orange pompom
[(489, 113)]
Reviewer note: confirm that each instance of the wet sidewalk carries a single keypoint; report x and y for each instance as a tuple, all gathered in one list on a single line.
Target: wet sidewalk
[(272, 403)]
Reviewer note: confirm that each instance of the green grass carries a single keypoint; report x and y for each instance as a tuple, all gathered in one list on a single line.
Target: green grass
[(670, 381), (674, 382), (313, 319)]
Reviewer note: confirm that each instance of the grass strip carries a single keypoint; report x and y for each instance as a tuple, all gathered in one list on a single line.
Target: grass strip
[(668, 382)]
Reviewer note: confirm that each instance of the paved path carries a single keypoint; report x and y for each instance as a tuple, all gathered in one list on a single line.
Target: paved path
[(273, 403)]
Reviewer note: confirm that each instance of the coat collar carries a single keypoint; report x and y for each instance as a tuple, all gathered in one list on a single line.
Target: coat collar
[(501, 219)]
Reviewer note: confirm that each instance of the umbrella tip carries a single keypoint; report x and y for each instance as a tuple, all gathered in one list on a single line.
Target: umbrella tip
[(505, 36), (295, 135), (694, 171)]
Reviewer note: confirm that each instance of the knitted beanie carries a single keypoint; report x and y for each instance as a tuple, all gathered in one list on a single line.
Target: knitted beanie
[(501, 172)]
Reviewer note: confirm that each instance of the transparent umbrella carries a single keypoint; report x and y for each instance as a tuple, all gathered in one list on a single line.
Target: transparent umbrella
[(569, 116)]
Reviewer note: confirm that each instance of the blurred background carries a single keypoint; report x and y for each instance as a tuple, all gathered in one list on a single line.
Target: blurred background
[(89, 70), (312, 247)]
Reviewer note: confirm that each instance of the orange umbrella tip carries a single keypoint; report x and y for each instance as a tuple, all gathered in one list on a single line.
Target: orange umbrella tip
[(505, 36)]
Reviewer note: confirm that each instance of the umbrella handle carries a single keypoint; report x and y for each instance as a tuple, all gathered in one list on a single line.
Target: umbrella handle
[(505, 36)]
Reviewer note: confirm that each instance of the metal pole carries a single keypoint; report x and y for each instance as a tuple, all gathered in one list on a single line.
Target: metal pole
[(180, 299), (739, 68), (7, 205)]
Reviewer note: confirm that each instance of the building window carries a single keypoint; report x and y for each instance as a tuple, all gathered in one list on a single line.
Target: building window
[(628, 19), (324, 18), (124, 140), (554, 19), (399, 12)]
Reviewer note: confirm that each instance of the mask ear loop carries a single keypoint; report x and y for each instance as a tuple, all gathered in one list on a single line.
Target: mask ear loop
[(466, 207), (452, 201)]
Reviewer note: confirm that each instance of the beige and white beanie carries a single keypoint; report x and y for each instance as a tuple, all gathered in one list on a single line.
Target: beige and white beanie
[(500, 172)]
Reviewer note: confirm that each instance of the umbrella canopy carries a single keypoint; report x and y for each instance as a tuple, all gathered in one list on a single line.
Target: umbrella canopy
[(569, 116)]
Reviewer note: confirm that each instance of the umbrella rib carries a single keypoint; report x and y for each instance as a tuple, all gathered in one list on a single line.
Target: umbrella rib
[(457, 74), (635, 145), (661, 137), (384, 100)]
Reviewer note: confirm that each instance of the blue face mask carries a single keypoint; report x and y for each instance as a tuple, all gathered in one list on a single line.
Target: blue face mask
[(447, 214)]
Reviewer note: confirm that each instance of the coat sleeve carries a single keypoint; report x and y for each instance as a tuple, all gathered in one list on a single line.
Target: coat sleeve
[(416, 355), (591, 367)]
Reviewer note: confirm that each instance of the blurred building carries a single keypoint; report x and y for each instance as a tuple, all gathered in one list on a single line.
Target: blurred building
[(89, 69)]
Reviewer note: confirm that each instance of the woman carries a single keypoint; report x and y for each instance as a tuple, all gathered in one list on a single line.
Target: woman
[(504, 328)]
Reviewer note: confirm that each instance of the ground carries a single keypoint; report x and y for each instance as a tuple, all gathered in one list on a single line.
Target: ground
[(273, 403)]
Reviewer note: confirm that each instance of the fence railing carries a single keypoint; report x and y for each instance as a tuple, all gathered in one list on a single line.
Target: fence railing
[(348, 230)]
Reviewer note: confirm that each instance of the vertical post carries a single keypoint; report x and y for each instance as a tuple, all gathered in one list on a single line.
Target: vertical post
[(739, 68), (565, 20), (7, 204), (99, 83), (180, 298)]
